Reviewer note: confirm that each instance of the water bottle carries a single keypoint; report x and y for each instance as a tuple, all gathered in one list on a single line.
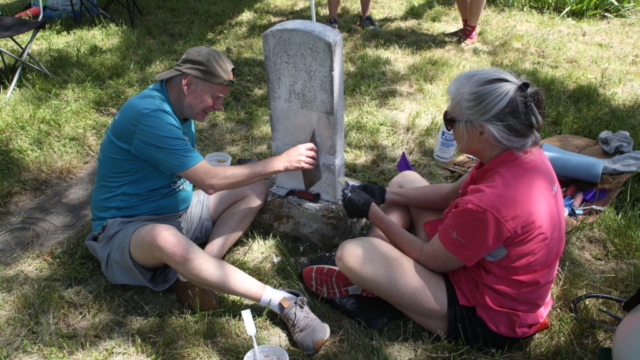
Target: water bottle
[(445, 148)]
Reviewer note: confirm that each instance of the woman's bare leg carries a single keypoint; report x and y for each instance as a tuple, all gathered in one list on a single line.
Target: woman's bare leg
[(382, 269)]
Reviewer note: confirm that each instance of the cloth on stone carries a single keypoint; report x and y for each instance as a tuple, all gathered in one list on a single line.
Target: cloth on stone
[(629, 162), (619, 142)]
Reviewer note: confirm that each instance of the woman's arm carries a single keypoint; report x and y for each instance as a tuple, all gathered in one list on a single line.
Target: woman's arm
[(430, 254), (436, 196)]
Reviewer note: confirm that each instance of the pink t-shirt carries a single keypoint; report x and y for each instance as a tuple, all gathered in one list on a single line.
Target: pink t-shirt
[(507, 227)]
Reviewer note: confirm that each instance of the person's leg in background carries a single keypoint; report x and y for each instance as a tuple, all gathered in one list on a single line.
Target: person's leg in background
[(463, 9), (470, 11), (333, 13), (366, 20), (475, 10), (232, 212)]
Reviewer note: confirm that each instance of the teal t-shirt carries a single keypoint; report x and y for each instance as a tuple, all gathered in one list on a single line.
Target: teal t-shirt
[(143, 149)]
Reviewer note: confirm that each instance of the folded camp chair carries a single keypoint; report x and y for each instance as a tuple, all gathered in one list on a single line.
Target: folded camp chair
[(11, 27)]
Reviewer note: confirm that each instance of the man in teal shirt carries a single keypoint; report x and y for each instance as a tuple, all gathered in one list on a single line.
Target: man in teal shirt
[(151, 229)]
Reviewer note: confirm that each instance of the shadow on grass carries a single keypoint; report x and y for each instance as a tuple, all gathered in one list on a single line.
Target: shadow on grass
[(72, 303)]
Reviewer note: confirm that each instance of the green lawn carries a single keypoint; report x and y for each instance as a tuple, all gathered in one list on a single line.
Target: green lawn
[(57, 304)]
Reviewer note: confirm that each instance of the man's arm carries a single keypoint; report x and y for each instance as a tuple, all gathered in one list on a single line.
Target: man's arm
[(212, 179), (430, 254), (436, 196)]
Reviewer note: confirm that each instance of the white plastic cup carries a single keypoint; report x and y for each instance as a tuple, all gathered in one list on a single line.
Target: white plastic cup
[(268, 352), (218, 159)]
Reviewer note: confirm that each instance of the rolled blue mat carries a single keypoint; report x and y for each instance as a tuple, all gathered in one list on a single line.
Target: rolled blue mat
[(573, 165)]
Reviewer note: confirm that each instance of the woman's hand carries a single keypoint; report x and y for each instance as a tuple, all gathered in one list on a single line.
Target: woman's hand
[(356, 202), (376, 192)]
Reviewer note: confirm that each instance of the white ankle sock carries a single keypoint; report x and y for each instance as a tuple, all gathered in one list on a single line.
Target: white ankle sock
[(272, 297)]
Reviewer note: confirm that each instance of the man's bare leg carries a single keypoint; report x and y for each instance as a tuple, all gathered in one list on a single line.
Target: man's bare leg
[(156, 244), (232, 212)]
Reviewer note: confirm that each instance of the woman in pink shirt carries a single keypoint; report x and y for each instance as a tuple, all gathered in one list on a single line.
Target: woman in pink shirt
[(474, 260)]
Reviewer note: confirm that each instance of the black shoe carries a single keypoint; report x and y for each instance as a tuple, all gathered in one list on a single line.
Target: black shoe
[(333, 23), (367, 23)]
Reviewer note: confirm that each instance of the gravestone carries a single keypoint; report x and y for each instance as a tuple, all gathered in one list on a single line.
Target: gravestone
[(303, 61)]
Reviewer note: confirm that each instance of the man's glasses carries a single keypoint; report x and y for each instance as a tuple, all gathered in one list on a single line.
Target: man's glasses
[(449, 122)]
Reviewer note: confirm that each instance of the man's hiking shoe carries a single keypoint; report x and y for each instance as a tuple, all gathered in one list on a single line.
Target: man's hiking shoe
[(455, 34), (367, 23), (329, 282), (195, 298), (309, 333), (332, 23)]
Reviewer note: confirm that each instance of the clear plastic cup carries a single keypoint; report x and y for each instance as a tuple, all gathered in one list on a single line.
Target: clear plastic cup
[(218, 159), (268, 352)]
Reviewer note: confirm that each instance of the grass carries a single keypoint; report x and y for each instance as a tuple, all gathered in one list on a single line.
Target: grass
[(55, 303)]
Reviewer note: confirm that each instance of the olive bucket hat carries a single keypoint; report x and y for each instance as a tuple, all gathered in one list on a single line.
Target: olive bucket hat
[(205, 63)]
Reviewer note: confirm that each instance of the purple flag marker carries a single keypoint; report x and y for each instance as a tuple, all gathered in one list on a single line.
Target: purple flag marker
[(403, 163)]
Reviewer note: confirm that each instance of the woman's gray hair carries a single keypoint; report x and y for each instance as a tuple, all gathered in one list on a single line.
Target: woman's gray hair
[(509, 108)]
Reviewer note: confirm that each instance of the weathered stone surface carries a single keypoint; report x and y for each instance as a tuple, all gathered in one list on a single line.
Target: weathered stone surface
[(56, 216), (303, 63), (324, 223)]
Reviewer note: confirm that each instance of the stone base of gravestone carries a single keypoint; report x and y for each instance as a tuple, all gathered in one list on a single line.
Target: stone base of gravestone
[(323, 223)]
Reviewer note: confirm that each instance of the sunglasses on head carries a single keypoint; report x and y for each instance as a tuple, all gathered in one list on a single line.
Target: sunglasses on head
[(449, 122)]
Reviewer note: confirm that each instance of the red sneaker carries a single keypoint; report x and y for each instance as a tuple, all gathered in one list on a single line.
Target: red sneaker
[(329, 282)]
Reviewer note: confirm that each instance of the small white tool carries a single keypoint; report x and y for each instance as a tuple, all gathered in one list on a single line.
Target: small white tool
[(251, 330)]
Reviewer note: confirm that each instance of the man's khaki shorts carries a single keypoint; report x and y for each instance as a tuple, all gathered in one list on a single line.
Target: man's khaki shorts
[(111, 244)]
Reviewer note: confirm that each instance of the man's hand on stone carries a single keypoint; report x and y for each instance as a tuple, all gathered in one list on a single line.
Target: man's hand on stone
[(301, 157), (356, 202)]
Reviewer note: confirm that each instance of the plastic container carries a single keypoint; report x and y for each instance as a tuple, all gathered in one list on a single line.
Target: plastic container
[(268, 352), (218, 159), (445, 149), (573, 165)]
